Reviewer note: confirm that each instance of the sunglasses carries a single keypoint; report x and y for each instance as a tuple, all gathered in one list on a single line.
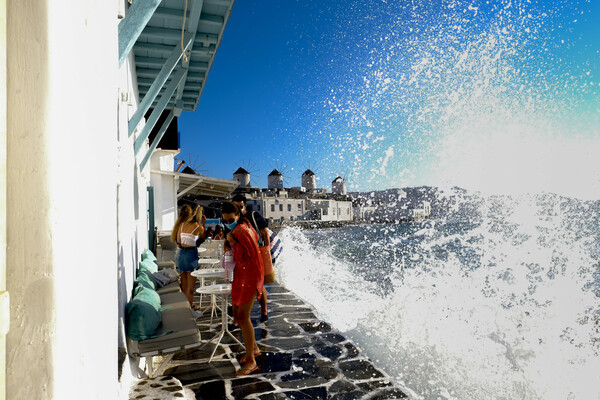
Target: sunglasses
[(228, 221)]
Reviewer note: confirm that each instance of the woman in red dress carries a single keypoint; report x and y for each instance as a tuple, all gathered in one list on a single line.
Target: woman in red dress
[(248, 278)]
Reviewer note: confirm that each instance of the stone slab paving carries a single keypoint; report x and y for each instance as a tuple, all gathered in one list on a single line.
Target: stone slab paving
[(302, 358)]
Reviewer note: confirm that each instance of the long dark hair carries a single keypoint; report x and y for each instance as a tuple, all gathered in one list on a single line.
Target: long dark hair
[(228, 208)]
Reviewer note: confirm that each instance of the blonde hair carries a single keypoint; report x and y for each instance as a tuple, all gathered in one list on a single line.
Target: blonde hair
[(197, 215), (187, 214)]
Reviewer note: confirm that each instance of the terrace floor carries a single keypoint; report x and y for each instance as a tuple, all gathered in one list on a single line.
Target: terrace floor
[(302, 358)]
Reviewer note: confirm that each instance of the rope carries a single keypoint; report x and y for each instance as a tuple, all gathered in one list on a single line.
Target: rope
[(185, 58)]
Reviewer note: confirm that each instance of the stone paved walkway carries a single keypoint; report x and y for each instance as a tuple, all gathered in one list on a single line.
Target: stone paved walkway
[(302, 358)]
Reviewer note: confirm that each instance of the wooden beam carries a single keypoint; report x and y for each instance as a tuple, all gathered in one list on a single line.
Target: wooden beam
[(133, 24), (159, 82), (162, 103)]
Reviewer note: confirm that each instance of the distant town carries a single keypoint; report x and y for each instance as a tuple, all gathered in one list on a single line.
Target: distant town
[(307, 202)]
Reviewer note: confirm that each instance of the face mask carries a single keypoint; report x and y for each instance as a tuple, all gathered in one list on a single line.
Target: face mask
[(231, 226)]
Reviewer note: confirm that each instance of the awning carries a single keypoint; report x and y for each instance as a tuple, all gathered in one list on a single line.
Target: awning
[(174, 43), (198, 185)]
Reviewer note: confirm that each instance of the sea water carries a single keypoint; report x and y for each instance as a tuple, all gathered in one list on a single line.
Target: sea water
[(495, 300)]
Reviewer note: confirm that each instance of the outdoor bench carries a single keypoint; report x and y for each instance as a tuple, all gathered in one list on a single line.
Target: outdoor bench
[(177, 331)]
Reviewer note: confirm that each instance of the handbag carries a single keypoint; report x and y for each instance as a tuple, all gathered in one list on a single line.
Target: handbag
[(276, 246), (265, 253)]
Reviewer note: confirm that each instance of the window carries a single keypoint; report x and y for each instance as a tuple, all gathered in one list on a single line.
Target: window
[(258, 207), (281, 207), (347, 211), (289, 207), (272, 207), (333, 211), (299, 207), (324, 211)]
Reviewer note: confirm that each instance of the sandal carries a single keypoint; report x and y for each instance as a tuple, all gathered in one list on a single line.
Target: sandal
[(243, 359), (246, 371)]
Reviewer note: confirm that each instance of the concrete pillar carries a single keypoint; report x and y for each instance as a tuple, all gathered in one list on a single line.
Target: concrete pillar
[(61, 199)]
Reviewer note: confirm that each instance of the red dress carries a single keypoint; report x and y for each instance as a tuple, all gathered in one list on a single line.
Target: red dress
[(248, 275)]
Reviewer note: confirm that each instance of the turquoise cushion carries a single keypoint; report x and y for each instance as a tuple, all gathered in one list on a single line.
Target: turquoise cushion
[(149, 296), (144, 279), (142, 317), (149, 266), (148, 255)]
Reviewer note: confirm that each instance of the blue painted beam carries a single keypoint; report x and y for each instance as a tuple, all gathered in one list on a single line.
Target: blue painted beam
[(192, 26), (159, 82), (160, 107), (133, 24), (175, 34), (157, 139), (166, 49)]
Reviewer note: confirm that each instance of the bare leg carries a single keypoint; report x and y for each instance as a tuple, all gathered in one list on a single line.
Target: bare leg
[(243, 318), (191, 288), (235, 311), (263, 302)]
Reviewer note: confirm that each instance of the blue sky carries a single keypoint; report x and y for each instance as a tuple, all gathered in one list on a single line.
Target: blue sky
[(402, 93)]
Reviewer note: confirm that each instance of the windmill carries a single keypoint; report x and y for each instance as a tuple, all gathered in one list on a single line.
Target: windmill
[(193, 164), (247, 169), (278, 177)]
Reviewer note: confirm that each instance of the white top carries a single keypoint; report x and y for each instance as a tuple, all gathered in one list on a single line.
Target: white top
[(188, 239)]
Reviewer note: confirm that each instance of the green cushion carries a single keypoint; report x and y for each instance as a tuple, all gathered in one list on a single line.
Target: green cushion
[(148, 255), (149, 296), (149, 266), (142, 314), (144, 279)]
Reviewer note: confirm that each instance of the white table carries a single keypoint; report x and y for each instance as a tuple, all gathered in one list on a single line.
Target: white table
[(206, 274), (209, 273), (201, 250), (211, 262), (223, 290)]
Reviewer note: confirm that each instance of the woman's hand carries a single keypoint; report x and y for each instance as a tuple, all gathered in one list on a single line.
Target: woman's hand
[(230, 238)]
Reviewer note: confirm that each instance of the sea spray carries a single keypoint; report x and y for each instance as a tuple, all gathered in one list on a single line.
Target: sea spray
[(497, 304)]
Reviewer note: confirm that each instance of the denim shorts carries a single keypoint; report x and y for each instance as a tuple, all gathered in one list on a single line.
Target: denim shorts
[(187, 259)]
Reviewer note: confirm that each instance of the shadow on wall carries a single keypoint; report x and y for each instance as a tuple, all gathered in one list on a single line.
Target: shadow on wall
[(29, 254)]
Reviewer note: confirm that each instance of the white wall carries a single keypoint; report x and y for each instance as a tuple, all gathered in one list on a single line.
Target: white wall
[(265, 208), (61, 199), (165, 190), (331, 210)]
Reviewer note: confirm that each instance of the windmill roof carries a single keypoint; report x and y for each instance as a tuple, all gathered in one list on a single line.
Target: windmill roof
[(275, 173), (241, 170), (308, 172)]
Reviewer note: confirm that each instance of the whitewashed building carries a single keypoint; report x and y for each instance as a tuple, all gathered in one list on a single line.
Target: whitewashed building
[(423, 212), (84, 84), (329, 210), (276, 205)]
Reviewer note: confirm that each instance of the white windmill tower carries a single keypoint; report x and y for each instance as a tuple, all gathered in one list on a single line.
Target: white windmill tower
[(309, 180), (275, 180), (242, 176), (338, 186)]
